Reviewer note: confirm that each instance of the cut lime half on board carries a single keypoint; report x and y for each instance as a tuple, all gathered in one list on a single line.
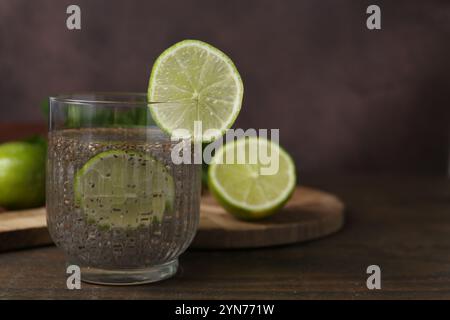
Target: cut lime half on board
[(124, 189), (247, 190), (196, 82)]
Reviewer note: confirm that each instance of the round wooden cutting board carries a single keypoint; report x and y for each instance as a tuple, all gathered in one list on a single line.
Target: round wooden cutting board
[(308, 215)]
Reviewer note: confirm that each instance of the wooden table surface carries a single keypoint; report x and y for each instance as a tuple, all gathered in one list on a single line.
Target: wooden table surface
[(401, 223)]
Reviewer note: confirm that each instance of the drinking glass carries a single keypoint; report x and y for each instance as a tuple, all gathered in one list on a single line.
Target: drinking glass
[(117, 205)]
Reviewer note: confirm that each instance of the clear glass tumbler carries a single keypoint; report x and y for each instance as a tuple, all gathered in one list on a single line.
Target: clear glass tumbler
[(117, 205)]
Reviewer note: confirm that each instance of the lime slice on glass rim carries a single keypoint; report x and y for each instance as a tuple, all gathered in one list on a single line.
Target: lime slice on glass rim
[(195, 82), (243, 189), (124, 189)]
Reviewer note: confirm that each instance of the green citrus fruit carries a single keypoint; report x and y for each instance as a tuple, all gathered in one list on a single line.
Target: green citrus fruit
[(22, 175), (195, 82), (246, 189), (124, 189)]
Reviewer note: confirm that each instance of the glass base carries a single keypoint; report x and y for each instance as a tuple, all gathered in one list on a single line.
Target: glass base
[(129, 276)]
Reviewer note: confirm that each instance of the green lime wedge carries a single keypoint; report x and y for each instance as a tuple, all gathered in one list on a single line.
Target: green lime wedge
[(196, 82), (252, 189), (124, 189)]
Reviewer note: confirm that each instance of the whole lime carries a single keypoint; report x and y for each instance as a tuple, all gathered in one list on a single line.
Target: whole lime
[(22, 175)]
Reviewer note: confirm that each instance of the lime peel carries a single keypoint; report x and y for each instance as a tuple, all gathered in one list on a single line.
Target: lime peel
[(234, 184), (123, 189), (194, 81)]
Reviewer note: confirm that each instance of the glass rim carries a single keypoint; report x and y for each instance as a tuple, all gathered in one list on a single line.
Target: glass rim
[(103, 98)]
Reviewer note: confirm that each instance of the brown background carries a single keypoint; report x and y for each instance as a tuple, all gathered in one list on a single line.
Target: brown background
[(345, 98)]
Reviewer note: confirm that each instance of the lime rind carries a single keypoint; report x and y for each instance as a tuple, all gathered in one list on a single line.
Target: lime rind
[(22, 174), (99, 203), (243, 209), (232, 70)]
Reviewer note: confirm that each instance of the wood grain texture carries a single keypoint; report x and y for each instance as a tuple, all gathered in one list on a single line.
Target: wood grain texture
[(401, 223), (22, 229), (308, 215)]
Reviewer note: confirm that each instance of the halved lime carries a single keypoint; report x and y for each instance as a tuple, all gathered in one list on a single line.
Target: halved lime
[(252, 189), (124, 189), (196, 82)]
